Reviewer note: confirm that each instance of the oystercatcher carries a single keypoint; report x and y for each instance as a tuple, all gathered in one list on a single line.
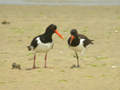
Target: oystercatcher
[(78, 43), (43, 43)]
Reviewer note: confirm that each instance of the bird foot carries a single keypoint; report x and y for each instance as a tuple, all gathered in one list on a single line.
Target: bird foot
[(34, 68), (74, 56), (45, 67), (74, 66), (78, 66)]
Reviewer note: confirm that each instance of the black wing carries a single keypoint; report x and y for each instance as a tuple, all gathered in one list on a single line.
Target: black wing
[(34, 43), (87, 40)]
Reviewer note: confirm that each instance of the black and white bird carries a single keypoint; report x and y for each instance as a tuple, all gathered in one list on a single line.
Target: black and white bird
[(78, 43), (43, 43)]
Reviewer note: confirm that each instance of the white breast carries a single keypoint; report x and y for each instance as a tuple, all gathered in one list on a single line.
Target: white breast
[(43, 47), (80, 47)]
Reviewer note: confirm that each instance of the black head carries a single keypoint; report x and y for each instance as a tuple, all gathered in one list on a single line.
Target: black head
[(74, 32), (74, 37), (51, 28)]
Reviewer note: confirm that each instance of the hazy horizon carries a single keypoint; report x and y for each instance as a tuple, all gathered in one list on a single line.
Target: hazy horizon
[(62, 2)]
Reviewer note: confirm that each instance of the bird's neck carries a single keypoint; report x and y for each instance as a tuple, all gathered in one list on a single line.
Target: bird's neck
[(47, 37), (76, 39), (48, 34), (75, 42)]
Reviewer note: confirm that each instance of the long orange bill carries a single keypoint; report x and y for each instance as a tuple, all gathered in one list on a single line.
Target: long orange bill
[(59, 34), (72, 37)]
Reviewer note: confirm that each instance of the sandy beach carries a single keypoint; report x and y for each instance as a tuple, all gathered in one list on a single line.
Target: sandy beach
[(100, 64)]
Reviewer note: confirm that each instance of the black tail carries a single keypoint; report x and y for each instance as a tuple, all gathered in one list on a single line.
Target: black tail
[(29, 48), (91, 41)]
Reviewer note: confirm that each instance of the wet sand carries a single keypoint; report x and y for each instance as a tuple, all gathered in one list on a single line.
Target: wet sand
[(100, 65)]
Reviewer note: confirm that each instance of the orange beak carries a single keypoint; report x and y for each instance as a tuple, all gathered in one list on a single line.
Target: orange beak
[(72, 37), (59, 34)]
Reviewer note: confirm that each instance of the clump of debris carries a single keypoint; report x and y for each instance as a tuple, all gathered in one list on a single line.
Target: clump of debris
[(5, 22)]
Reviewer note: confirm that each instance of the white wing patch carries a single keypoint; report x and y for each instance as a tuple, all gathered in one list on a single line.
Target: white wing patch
[(43, 47), (81, 42), (38, 40)]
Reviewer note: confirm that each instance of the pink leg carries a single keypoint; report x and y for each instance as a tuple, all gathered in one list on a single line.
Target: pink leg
[(46, 60), (34, 66)]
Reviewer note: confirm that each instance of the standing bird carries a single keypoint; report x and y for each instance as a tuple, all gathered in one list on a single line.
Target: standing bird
[(43, 43), (78, 43)]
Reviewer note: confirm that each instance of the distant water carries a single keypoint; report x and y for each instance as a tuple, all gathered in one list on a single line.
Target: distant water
[(58, 3)]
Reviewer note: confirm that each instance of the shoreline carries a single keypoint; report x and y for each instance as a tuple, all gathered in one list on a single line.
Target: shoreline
[(60, 5), (70, 3)]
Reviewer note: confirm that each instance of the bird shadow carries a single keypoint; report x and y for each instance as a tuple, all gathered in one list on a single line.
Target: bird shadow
[(38, 68), (74, 66), (32, 68)]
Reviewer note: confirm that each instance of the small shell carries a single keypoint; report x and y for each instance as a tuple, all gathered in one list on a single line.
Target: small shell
[(114, 67)]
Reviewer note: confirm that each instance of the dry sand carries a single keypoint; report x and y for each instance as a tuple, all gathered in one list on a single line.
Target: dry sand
[(100, 65)]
